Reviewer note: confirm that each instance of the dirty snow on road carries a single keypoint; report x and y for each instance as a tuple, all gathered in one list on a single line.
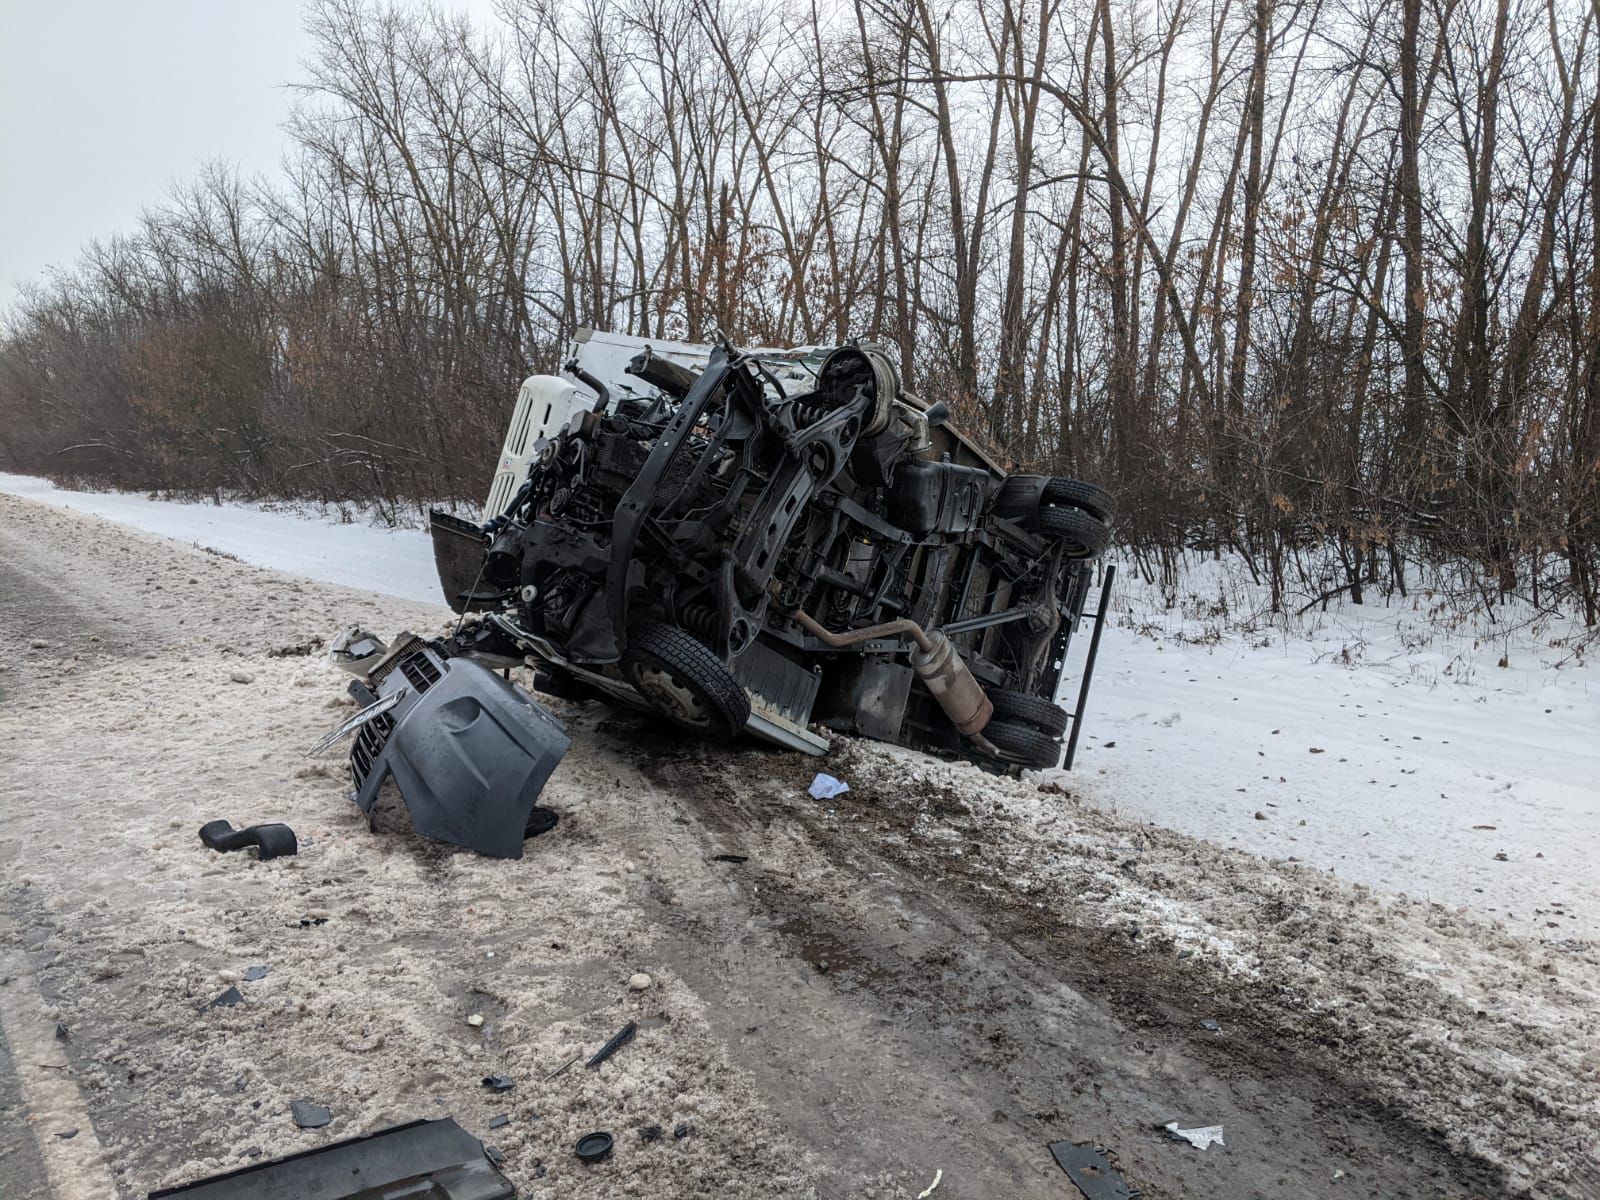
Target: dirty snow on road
[(1383, 742), (937, 971)]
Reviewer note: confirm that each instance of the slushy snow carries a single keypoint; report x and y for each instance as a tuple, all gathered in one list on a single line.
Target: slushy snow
[(1384, 742)]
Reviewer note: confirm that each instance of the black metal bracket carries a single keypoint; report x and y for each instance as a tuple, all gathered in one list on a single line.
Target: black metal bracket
[(1088, 667)]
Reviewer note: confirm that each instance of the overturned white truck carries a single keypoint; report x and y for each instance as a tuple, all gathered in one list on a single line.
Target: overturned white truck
[(773, 540), (777, 542)]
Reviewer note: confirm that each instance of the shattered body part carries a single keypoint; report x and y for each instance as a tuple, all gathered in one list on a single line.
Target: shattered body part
[(422, 1160), (764, 540), (1091, 1171), (469, 751), (270, 841)]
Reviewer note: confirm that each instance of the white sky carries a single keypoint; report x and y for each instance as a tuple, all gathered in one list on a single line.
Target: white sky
[(105, 103)]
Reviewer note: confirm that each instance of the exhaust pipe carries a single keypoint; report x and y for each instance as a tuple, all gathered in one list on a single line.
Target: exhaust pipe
[(937, 663)]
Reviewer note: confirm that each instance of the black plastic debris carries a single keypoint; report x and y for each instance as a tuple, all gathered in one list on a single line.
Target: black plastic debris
[(422, 1158), (541, 820), (67, 1134), (496, 1156), (500, 1122), (1091, 1171), (622, 1038), (251, 974), (682, 1131), (499, 1083), (651, 1133), (730, 858), (593, 1147), (308, 1115), (271, 841), (561, 1070), (62, 1033), (227, 1000)]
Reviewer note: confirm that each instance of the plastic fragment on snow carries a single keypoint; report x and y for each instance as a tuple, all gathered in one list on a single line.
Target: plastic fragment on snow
[(308, 1115), (1199, 1138), (826, 787), (251, 974), (227, 1000)]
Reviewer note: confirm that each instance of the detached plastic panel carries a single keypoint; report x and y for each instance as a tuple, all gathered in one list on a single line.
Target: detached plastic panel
[(424, 1160)]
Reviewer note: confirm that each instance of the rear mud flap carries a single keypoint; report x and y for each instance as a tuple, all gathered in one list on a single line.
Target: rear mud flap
[(458, 550), (470, 755)]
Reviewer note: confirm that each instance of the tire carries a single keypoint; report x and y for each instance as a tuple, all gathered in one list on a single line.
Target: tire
[(1024, 743), (684, 681), (1030, 710), (1075, 493), (1082, 535)]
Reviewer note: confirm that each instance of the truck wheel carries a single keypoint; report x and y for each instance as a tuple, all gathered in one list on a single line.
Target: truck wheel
[(1082, 535), (1075, 493), (684, 681), (1024, 743), (1030, 710)]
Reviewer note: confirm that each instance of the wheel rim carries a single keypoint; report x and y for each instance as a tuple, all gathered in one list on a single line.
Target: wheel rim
[(672, 696)]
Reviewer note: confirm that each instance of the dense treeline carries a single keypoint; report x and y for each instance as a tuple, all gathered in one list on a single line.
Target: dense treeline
[(1298, 277)]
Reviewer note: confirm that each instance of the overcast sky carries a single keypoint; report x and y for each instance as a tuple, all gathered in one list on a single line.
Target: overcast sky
[(105, 103)]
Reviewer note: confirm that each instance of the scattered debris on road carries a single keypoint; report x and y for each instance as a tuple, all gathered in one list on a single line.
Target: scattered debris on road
[(938, 1174), (594, 1147), (826, 787), (226, 1000), (308, 1115), (499, 1083), (418, 1158), (1091, 1172), (1199, 1138), (622, 1038), (251, 974), (270, 841)]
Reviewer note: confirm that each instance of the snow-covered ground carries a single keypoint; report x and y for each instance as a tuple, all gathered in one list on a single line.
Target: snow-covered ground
[(330, 547), (1384, 743)]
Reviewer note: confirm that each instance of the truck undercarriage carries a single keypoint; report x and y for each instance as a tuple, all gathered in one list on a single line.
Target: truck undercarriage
[(772, 539)]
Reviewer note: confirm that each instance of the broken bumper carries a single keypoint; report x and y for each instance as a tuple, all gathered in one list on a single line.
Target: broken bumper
[(469, 751)]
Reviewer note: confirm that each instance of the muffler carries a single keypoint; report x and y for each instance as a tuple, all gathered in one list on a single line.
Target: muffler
[(935, 660)]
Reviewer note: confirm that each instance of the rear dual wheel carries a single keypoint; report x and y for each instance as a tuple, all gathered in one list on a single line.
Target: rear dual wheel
[(1027, 728), (1023, 744), (1080, 534)]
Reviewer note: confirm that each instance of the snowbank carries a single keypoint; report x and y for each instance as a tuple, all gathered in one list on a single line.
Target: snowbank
[(1384, 742), (331, 549)]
